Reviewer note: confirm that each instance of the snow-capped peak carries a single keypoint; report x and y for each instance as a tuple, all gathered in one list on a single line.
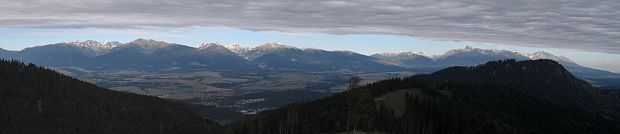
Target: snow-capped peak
[(401, 54), (466, 49), (469, 49), (211, 45), (310, 49), (239, 49), (275, 45), (546, 55), (149, 43), (96, 47), (94, 44)]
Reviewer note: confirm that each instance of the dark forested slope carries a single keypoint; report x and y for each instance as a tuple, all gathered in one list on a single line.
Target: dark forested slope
[(536, 96), (38, 100)]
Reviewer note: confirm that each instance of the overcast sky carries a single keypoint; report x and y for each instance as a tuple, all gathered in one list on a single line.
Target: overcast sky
[(577, 26)]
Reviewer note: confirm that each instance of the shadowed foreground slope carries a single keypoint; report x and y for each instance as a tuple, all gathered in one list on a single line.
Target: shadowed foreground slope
[(38, 100), (535, 96)]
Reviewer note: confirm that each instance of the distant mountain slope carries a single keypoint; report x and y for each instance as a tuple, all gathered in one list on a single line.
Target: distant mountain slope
[(214, 49), (151, 55), (147, 55), (473, 56), (141, 54), (320, 60), (156, 55), (217, 56), (533, 96), (6, 53), (467, 56), (266, 48), (38, 100), (56, 55), (572, 66), (239, 50), (407, 59), (594, 76), (61, 54)]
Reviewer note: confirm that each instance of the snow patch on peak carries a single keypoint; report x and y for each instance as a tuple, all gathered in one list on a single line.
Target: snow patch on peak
[(275, 45), (469, 49), (238, 46), (310, 49), (149, 42), (401, 54), (94, 44), (211, 45), (95, 47), (215, 48), (239, 49), (546, 55), (347, 52)]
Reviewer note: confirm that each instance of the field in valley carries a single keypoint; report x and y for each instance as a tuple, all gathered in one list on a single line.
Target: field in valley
[(243, 91)]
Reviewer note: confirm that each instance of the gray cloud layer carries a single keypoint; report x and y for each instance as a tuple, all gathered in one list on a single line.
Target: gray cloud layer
[(590, 25)]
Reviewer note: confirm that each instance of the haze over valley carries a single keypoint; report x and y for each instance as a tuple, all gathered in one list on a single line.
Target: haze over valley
[(247, 80)]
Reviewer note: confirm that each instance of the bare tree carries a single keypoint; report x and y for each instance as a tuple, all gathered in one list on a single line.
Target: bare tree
[(354, 82)]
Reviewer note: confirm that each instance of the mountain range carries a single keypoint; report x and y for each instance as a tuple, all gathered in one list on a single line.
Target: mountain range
[(152, 55), (473, 56)]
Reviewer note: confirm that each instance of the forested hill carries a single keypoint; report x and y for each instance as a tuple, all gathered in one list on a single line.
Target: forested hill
[(39, 100), (535, 96)]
